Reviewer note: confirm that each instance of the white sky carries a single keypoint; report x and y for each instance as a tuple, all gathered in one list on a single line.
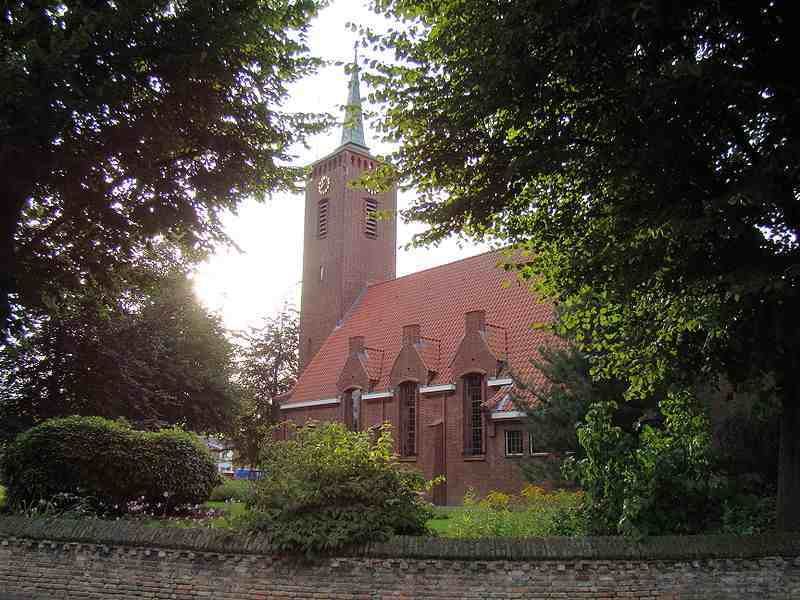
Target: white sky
[(250, 285)]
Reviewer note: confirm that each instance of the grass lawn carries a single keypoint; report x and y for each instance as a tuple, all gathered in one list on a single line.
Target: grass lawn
[(442, 521)]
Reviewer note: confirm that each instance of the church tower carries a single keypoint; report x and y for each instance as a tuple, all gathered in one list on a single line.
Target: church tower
[(350, 235)]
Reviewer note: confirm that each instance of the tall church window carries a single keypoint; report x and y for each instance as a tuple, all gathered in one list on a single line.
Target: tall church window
[(352, 409), (473, 415), (371, 218), (408, 419), (322, 218)]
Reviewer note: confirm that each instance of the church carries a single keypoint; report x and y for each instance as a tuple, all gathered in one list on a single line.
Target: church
[(432, 352)]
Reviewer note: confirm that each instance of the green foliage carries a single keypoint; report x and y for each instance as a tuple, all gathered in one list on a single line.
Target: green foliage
[(267, 365), (645, 158), (108, 463), (150, 357), (658, 483), (560, 404), (238, 490), (267, 358), (2, 498), (746, 434), (748, 514), (125, 122), (329, 487), (534, 512)]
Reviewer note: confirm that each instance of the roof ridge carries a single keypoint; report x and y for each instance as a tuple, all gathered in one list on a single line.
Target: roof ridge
[(458, 260)]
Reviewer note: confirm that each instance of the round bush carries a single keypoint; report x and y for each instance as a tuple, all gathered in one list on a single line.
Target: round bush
[(109, 462), (335, 488)]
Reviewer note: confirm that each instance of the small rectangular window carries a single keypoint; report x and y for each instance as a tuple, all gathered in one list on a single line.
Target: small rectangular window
[(371, 218), (322, 218), (513, 442)]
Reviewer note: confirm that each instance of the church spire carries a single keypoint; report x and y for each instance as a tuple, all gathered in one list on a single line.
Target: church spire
[(353, 129)]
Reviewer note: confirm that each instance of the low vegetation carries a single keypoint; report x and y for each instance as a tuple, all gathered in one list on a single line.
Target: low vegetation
[(532, 512), (235, 490)]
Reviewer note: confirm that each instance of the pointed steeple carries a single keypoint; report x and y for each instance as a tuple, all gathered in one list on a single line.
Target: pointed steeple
[(353, 129)]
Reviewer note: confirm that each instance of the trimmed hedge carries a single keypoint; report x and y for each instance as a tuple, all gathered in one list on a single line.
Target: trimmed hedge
[(695, 547), (108, 462)]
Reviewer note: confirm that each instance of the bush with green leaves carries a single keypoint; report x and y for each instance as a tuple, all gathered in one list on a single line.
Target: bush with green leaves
[(108, 463), (334, 487), (236, 490), (659, 481)]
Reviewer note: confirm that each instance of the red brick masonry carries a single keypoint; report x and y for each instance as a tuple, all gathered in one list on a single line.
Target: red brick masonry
[(57, 560)]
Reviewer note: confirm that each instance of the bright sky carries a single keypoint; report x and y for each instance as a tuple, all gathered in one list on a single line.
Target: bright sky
[(249, 285)]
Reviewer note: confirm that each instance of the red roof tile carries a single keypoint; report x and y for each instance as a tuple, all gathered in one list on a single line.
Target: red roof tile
[(437, 299)]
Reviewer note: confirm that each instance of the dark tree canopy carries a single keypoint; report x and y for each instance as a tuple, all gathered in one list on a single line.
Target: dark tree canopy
[(121, 122), (645, 152), (152, 358)]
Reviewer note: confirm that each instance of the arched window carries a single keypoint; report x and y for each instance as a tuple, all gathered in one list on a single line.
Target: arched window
[(408, 418), (473, 415)]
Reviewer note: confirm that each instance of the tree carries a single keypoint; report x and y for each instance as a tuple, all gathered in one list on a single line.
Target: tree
[(125, 122), (644, 152), (267, 366), (156, 357), (556, 408)]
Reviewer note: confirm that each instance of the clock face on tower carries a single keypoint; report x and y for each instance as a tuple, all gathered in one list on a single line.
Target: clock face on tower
[(324, 184)]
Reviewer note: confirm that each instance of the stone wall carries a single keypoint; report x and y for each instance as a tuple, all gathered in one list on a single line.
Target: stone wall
[(85, 559)]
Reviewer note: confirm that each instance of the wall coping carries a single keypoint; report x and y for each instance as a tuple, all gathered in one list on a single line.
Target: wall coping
[(120, 533)]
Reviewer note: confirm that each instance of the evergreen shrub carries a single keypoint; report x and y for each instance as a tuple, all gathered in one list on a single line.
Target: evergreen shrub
[(107, 462), (334, 488)]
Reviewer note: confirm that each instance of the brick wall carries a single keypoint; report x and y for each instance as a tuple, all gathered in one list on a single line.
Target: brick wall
[(64, 559)]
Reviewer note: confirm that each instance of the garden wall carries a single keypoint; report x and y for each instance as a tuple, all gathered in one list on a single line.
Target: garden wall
[(94, 559)]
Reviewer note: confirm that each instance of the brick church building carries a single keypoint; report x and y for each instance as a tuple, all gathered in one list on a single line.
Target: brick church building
[(431, 353)]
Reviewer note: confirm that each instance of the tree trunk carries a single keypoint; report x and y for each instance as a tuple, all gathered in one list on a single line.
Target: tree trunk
[(789, 461)]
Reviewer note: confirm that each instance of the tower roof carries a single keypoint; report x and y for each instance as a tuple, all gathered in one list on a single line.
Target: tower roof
[(353, 128)]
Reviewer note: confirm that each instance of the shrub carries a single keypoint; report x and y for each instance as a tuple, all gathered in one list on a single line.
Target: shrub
[(533, 512), (107, 463), (238, 490), (335, 488), (658, 482)]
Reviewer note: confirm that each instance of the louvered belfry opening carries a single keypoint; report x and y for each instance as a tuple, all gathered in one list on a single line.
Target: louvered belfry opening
[(371, 218), (322, 218)]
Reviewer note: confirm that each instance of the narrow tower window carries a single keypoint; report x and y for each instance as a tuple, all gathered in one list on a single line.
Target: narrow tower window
[(322, 218), (371, 218)]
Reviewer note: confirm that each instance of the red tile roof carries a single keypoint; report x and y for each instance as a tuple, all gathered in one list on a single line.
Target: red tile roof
[(437, 299)]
